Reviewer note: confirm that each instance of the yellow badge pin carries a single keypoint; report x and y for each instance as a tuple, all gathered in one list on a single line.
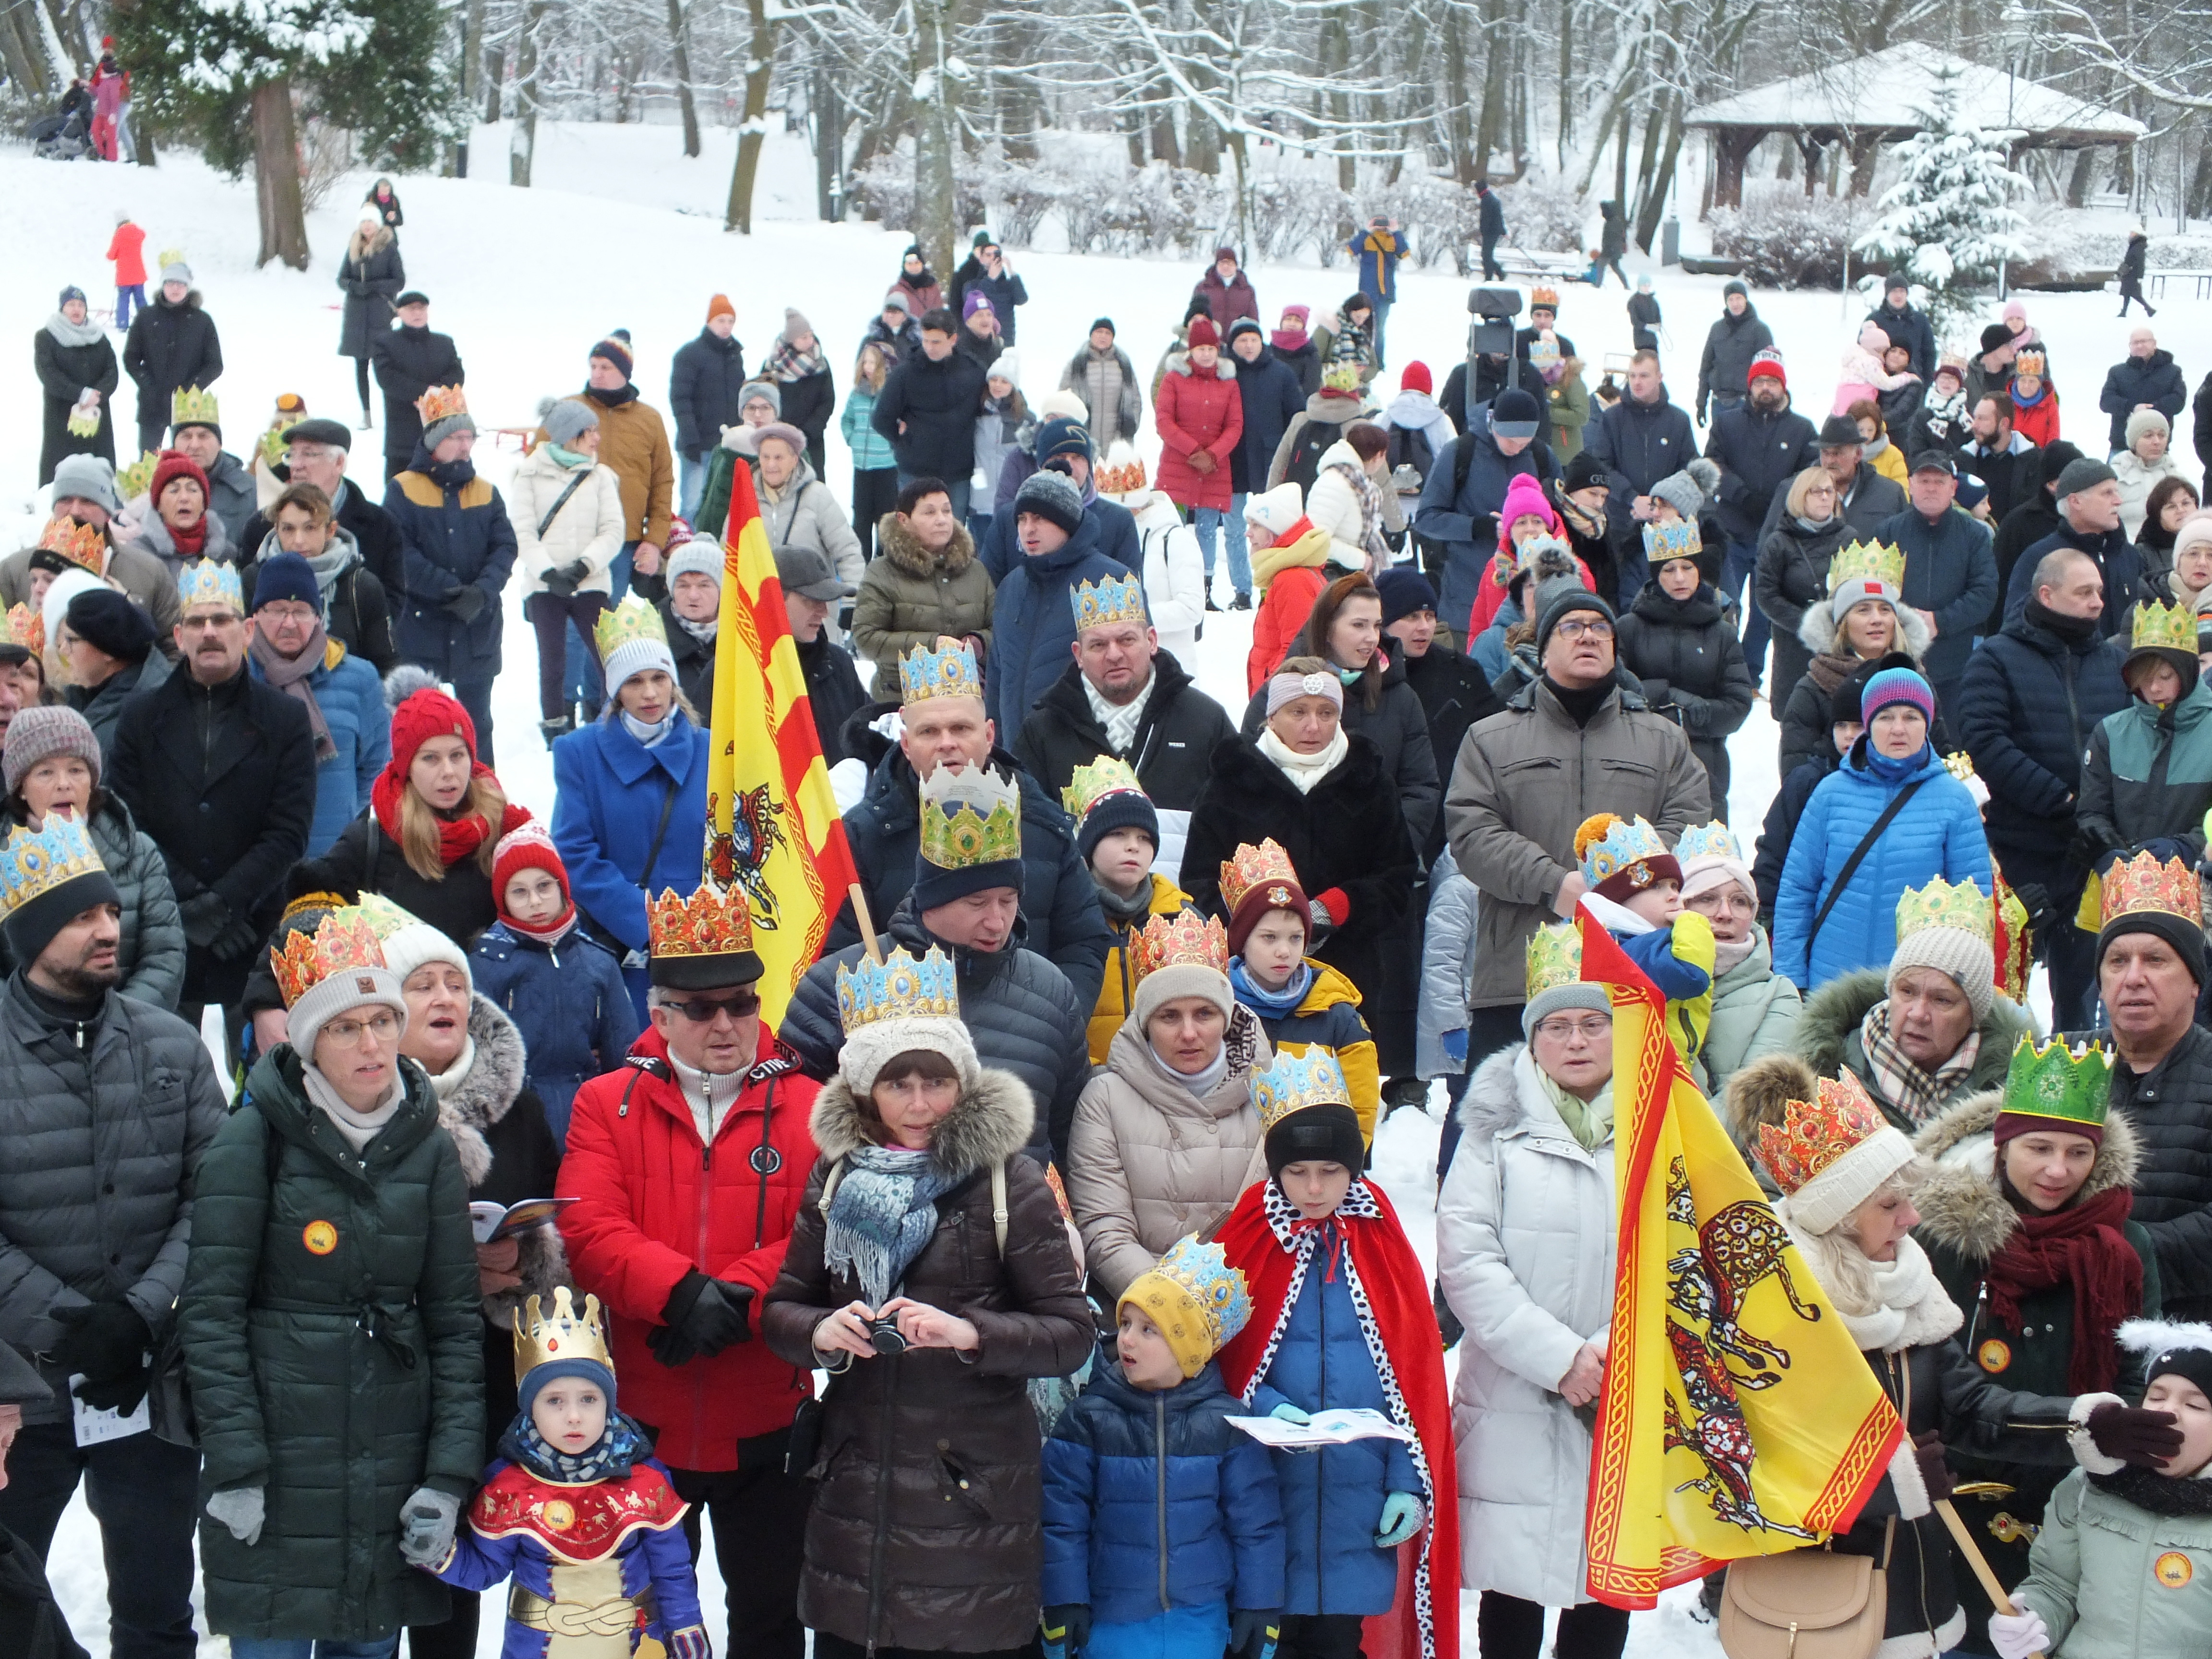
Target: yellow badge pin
[(2173, 1570), (320, 1236)]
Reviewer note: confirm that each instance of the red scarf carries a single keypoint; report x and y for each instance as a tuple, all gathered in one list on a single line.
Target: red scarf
[(458, 838), (188, 543), (2082, 1246), (1397, 1290)]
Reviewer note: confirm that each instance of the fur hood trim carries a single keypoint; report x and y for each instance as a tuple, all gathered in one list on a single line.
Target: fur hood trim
[(1760, 1092), (1817, 633), (2155, 1336), (1959, 1205), (1497, 1103), (487, 1094), (1224, 365), (989, 1125), (1832, 1015), (898, 545)]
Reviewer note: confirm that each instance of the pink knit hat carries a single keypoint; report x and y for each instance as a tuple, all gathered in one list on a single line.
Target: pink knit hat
[(1525, 494)]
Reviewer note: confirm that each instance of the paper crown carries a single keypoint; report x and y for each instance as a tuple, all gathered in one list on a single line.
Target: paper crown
[(205, 581), (1873, 562), (1940, 904), (1545, 297), (2013, 946), (947, 671), (171, 256), (2028, 362), (970, 816), (439, 401), (384, 917), (2143, 884), (35, 862), (540, 1337), (25, 627), (137, 478), (900, 987), (2163, 628), (1341, 376), (1543, 351), (1815, 1133), (1678, 540), (1607, 845), (1954, 360), (633, 619), (1708, 840), (1185, 941), (190, 406), (1205, 1290), (80, 544), (1959, 765), (1120, 476), (1110, 599), (273, 446), (2055, 1081), (1294, 1082), (708, 924), (1089, 785), (343, 940), (1265, 865), (1555, 957)]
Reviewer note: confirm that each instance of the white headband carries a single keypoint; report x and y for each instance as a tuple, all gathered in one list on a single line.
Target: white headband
[(1285, 687)]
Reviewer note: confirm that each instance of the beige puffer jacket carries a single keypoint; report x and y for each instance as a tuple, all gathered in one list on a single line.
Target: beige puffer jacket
[(1148, 1161)]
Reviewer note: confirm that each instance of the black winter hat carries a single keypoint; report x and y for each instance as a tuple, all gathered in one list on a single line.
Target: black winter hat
[(1584, 472), (1106, 323), (2058, 455), (1514, 413), (1559, 606), (1124, 808), (1996, 335), (1051, 495), (1244, 325), (1316, 1134), (2185, 936), (1840, 432), (1404, 590), (109, 622), (337, 433)]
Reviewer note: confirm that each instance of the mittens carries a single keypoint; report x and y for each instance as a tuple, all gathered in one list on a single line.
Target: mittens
[(241, 1509), (1401, 1518), (426, 1526)]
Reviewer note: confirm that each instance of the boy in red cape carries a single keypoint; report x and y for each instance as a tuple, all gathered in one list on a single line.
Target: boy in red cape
[(1342, 1318)]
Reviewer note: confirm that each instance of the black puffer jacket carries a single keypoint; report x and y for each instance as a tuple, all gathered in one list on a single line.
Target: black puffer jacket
[(1731, 343), (1454, 694), (703, 384), (2170, 1107), (1790, 578), (408, 362), (1758, 451), (1690, 662), (937, 403), (2155, 380), (170, 346), (1019, 1007), (1172, 752)]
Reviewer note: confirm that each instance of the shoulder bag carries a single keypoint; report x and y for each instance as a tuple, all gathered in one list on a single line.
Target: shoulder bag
[(1858, 857)]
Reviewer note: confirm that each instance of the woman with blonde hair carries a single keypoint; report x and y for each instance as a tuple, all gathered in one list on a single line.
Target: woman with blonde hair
[(1791, 575), (875, 468)]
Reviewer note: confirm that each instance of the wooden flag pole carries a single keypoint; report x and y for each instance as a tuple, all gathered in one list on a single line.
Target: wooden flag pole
[(866, 923), (1964, 1537)]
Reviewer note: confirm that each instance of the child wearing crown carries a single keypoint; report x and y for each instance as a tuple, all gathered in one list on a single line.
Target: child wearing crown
[(1342, 1318), (1303, 1005), (1636, 893), (1117, 831), (575, 1508), (1109, 1564), (2121, 810)]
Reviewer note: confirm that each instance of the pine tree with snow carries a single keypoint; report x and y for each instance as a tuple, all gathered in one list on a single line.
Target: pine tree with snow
[(1949, 223)]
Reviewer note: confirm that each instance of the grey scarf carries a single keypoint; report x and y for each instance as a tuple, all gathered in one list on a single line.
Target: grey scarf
[(881, 1217), (359, 1128), (68, 333)]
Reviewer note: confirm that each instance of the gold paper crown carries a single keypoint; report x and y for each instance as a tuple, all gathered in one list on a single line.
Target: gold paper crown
[(1870, 562), (439, 401), (34, 863), (900, 987), (1678, 540), (1543, 296), (1110, 599), (1186, 940), (171, 256), (708, 924), (1954, 360), (1120, 475), (2164, 628), (1940, 904), (2143, 884), (1340, 377), (1555, 957), (27, 628), (947, 671), (1815, 1133), (2029, 362), (970, 816), (137, 478), (273, 446), (633, 619), (1959, 765), (2013, 947), (80, 544), (190, 406), (2055, 1082), (1252, 867), (343, 940), (541, 1338), (1294, 1082), (1089, 785), (205, 581)]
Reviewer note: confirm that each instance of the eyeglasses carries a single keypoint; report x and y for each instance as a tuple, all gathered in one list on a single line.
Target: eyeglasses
[(347, 1033), (701, 1012), (1570, 629), (1596, 1028)]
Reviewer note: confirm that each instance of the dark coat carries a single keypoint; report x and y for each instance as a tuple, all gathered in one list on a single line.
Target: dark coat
[(339, 1382), (1950, 570), (2035, 520), (1759, 453), (2201, 410), (703, 384), (1465, 521), (2168, 1106), (1790, 578), (2116, 557), (170, 346), (1910, 328), (223, 779), (408, 362), (1780, 827), (1398, 726), (1491, 219), (808, 404), (1687, 653), (364, 859), (1637, 444), (695, 661), (2013, 476), (937, 403), (1454, 694), (1005, 291), (454, 537), (1033, 622), (833, 690), (1304, 361), (65, 372), (1001, 549), (375, 533), (1172, 753), (1731, 343), (2155, 380), (924, 1528), (1226, 302), (370, 284), (1347, 840), (1273, 399)]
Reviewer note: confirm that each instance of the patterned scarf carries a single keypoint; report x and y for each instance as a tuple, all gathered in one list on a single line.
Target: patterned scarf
[(1119, 720), (1917, 1096), (609, 1458), (786, 362), (882, 1216)]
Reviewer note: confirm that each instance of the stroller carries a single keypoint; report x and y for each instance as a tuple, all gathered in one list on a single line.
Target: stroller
[(66, 136)]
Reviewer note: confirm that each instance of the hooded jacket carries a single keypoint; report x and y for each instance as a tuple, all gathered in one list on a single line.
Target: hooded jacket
[(1465, 519), (703, 384), (587, 524), (1691, 663), (1731, 343), (1637, 444), (371, 276), (1755, 1013), (1806, 728), (1328, 1017), (454, 539), (1193, 411), (1827, 1038), (2093, 1536), (2147, 775), (1109, 377), (937, 403), (569, 1002), (1758, 451), (1268, 388), (911, 596), (1290, 576), (1333, 504), (1033, 622)]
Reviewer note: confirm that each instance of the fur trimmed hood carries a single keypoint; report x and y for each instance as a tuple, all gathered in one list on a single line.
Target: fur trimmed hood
[(1817, 633), (1759, 1093), (989, 1125), (487, 1094), (1496, 1103), (1832, 1015), (1959, 1205), (898, 545)]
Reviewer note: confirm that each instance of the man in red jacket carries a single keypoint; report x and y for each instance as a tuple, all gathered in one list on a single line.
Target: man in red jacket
[(688, 1166)]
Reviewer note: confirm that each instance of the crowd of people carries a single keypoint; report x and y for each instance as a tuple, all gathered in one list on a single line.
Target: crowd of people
[(1058, 1157)]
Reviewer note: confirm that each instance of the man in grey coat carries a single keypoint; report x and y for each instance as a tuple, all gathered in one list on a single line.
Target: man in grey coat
[(106, 1107)]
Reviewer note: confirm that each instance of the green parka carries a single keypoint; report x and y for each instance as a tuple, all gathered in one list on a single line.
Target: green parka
[(333, 1342), (2113, 1580)]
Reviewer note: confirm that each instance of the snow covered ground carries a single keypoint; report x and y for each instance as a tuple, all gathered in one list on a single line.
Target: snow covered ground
[(625, 233)]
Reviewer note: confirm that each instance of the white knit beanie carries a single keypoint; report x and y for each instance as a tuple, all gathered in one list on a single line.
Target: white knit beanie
[(874, 1046), (418, 942), (1965, 958), (347, 989), (1855, 1177), (637, 656), (1181, 979)]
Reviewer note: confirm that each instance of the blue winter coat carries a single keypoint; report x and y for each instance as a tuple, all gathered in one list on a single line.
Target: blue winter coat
[(1000, 549), (453, 539), (1033, 624), (351, 697), (1376, 253), (1333, 1498), (1950, 571), (1152, 1501), (570, 1003), (2116, 555), (1466, 521), (609, 793), (1939, 833)]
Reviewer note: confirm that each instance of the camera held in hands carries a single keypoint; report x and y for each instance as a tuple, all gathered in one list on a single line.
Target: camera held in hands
[(889, 1339)]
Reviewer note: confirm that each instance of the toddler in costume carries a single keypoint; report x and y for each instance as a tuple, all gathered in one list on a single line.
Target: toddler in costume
[(1117, 834), (576, 1510), (1636, 894)]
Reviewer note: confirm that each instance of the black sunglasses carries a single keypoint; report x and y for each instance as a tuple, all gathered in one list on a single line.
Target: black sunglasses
[(703, 1011)]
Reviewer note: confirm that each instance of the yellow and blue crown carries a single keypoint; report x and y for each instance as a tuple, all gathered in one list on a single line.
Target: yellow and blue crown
[(1087, 786), (1294, 1082), (969, 817), (1965, 906), (205, 581), (1110, 599), (34, 862), (1678, 540), (900, 987), (1607, 844), (1708, 840), (1198, 1301), (947, 671), (2071, 1088), (190, 406)]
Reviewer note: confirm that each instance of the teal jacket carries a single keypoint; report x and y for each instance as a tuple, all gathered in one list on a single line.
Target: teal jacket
[(2149, 777)]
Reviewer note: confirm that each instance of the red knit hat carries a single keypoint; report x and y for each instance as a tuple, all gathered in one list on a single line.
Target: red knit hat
[(173, 465), (1415, 377), (427, 713), (527, 849), (1767, 362), (1203, 332)]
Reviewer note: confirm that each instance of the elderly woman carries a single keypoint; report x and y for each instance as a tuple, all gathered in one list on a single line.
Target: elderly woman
[(1166, 1135), (180, 528), (930, 1317), (1791, 575), (330, 1324), (2167, 537), (798, 510), (1849, 1180), (1755, 1009), (2025, 1217), (1525, 1245), (1863, 619), (1888, 819), (1324, 795)]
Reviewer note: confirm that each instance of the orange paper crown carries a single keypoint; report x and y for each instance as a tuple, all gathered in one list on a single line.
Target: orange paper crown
[(1543, 297), (25, 627), (708, 924), (343, 940), (2143, 884), (1256, 866), (1185, 941), (79, 544), (439, 401), (1815, 1133), (2029, 362)]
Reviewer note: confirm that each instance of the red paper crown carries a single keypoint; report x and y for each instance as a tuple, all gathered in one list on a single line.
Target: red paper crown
[(1254, 867), (80, 544), (1547, 298), (439, 401), (342, 941), (2143, 884), (708, 924), (1184, 940), (1815, 1133), (25, 627)]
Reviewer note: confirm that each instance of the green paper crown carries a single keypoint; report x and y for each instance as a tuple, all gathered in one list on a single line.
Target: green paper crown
[(969, 817), (190, 406), (2053, 1081)]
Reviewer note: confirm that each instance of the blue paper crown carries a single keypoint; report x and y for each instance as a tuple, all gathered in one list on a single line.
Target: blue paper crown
[(1202, 1272), (35, 862), (1710, 841), (1678, 540), (1628, 841), (900, 987), (1109, 600), (1294, 1082), (206, 582), (948, 672)]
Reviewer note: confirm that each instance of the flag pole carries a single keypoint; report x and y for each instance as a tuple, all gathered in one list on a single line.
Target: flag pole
[(1963, 1538), (866, 923)]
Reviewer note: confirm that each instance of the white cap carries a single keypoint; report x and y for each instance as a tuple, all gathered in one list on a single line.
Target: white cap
[(1278, 509)]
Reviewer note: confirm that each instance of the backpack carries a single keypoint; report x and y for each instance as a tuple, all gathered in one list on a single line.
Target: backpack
[(1409, 446), (1314, 439)]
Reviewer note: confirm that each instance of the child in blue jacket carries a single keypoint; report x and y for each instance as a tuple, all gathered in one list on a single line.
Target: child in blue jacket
[(560, 987), (1635, 891), (1122, 1580)]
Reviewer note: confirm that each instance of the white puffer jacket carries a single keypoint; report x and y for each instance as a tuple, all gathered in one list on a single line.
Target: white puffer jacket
[(1174, 577), (588, 526), (1525, 1231), (1333, 504)]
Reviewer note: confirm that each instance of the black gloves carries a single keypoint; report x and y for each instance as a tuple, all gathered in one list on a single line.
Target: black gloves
[(702, 1317), (238, 938), (563, 580), (107, 1343), (2135, 1436), (1934, 1473), (1066, 1630), (467, 604), (205, 914), (1253, 1632)]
